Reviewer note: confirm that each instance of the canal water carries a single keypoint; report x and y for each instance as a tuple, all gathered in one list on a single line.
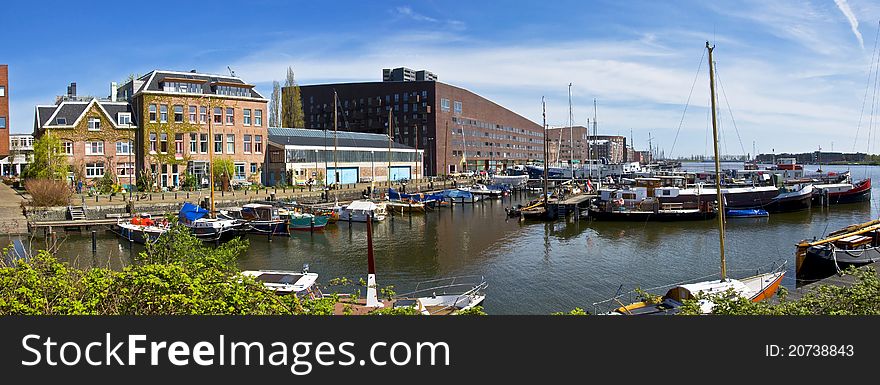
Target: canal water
[(532, 267)]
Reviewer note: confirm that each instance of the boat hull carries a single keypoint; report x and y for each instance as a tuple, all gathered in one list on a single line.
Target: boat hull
[(642, 216), (317, 222), (861, 192), (141, 236)]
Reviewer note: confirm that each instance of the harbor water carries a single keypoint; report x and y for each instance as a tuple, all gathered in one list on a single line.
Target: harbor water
[(531, 267)]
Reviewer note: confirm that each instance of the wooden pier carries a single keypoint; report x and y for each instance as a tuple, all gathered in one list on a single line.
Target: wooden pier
[(72, 223), (561, 209)]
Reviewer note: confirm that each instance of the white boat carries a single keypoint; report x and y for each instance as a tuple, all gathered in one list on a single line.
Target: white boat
[(140, 229), (209, 229), (481, 190), (360, 211), (511, 180), (299, 283)]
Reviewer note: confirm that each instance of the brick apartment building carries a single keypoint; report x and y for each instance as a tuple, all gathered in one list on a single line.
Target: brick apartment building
[(4, 110), (458, 129), (586, 146), (157, 126)]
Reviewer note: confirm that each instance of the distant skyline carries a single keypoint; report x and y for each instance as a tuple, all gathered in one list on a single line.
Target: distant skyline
[(793, 73)]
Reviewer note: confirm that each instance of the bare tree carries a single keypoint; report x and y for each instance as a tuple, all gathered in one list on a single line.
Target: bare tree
[(275, 105)]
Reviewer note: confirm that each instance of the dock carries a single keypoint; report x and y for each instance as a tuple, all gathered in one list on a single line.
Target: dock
[(572, 204)]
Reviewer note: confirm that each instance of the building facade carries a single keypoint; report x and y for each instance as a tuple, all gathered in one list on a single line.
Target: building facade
[(458, 129), (159, 128), (612, 148), (4, 110), (21, 152), (95, 134), (296, 155)]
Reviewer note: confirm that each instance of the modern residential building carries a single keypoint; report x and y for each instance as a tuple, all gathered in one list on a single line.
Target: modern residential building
[(4, 110), (458, 129), (21, 152), (586, 146), (160, 126), (297, 154)]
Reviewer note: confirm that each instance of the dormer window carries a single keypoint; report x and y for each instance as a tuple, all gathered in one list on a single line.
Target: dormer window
[(61, 121), (94, 124), (123, 119)]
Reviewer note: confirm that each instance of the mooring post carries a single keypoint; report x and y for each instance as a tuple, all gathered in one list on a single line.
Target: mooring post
[(312, 225), (94, 241)]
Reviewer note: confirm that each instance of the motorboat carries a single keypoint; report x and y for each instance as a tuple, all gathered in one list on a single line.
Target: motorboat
[(285, 282), (206, 228), (260, 218), (141, 228), (361, 211)]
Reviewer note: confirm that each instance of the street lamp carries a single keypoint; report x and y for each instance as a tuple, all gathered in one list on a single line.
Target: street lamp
[(316, 164)]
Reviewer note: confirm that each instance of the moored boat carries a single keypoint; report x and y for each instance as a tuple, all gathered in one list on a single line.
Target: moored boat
[(209, 229), (841, 193), (361, 211), (259, 218), (855, 245), (141, 228), (284, 282), (747, 213), (306, 221)]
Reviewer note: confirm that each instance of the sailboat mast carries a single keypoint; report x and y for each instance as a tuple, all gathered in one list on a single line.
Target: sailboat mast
[(717, 163), (390, 138), (596, 137), (546, 149), (570, 134), (211, 163)]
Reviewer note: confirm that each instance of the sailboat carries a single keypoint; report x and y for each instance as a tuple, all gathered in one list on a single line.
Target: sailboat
[(536, 209), (755, 288), (444, 296)]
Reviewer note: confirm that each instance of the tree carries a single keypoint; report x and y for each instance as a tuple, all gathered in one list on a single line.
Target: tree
[(275, 105), (49, 161), (291, 102), (223, 169)]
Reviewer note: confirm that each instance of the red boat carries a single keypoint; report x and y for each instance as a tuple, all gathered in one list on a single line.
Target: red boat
[(836, 193)]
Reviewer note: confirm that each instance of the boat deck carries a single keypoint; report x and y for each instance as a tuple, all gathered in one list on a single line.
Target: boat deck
[(834, 280)]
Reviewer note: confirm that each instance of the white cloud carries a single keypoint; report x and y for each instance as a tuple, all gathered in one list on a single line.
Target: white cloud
[(851, 18)]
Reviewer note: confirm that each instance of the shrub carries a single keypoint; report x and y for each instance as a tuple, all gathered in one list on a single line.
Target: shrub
[(47, 192)]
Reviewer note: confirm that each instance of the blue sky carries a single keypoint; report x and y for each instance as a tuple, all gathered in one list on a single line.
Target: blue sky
[(794, 73)]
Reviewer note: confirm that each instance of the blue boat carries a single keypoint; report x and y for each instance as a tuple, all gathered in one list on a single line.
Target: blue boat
[(747, 213)]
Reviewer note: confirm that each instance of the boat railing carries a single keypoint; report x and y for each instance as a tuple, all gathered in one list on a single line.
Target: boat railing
[(473, 283), (623, 298)]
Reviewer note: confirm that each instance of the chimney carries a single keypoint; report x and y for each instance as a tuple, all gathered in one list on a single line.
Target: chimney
[(192, 71), (112, 91), (71, 90)]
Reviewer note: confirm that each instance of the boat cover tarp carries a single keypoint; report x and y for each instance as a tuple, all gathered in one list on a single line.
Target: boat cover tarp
[(191, 212), (362, 205)]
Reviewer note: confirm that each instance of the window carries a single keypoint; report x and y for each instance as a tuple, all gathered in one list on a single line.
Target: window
[(163, 113), (94, 124), (67, 148), (178, 145), (123, 119), (253, 168), (203, 143), (193, 144), (218, 143), (233, 91), (239, 171), (163, 143), (444, 105), (258, 144), (218, 115), (123, 148), (95, 170), (247, 117), (2, 91), (203, 114), (124, 169), (181, 87), (95, 148), (2, 122), (178, 114), (152, 113), (247, 144), (230, 143), (258, 118), (457, 107), (192, 114), (153, 142), (61, 121), (230, 115)]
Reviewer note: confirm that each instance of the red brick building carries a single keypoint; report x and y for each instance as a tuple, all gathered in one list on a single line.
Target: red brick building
[(458, 129), (4, 110), (157, 127)]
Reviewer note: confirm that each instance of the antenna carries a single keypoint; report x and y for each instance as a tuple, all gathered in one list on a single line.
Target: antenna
[(231, 72)]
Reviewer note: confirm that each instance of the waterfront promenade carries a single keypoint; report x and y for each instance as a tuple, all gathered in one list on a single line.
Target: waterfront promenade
[(12, 220)]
